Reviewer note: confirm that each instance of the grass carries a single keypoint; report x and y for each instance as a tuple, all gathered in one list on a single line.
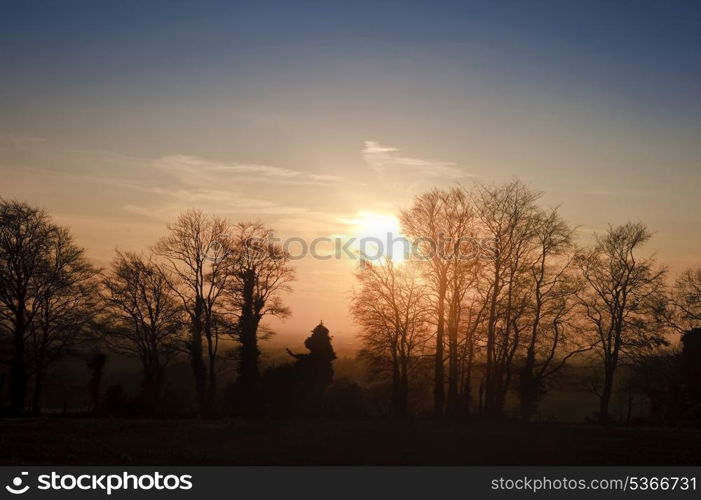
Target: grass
[(74, 441)]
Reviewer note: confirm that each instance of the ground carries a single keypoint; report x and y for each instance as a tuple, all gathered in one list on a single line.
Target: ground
[(72, 441)]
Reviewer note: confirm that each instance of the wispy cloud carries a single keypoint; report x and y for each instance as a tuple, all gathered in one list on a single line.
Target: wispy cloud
[(226, 188), (193, 170), (386, 160), (173, 201)]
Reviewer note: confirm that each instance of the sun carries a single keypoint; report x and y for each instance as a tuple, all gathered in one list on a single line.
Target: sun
[(378, 235), (373, 225)]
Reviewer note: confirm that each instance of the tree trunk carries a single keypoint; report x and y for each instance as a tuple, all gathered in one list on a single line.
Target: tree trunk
[(605, 399), (248, 364), (196, 361), (452, 406), (528, 390), (211, 357), (438, 387), (248, 371), (404, 394), (467, 384), (39, 370), (18, 373), (396, 396), (489, 377)]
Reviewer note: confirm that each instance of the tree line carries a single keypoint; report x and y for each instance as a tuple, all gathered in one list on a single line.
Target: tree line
[(496, 301), (207, 279), (499, 298)]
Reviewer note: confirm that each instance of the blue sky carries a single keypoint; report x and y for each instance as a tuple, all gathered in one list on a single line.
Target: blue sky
[(638, 57)]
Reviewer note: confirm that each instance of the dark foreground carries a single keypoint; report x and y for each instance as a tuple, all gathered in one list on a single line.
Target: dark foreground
[(67, 441)]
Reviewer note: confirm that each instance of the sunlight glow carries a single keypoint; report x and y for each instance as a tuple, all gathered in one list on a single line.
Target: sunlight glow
[(376, 233)]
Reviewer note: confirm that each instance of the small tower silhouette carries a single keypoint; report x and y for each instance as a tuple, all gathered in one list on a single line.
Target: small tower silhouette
[(315, 368)]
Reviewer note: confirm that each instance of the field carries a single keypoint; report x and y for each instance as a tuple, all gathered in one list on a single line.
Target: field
[(73, 441)]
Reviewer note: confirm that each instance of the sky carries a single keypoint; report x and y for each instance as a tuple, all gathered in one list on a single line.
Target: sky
[(317, 117)]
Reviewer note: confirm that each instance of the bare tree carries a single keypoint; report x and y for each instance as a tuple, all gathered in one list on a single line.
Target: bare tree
[(194, 252), (440, 223), (552, 337), (393, 309), (684, 308), (619, 303), (39, 267), (143, 318), (471, 339), (508, 216), (423, 223), (64, 309), (461, 252), (260, 274)]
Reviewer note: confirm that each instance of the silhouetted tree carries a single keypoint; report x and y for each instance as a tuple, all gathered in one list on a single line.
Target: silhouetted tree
[(25, 235), (43, 280), (423, 223), (259, 274), (143, 317), (438, 224), (508, 215), (552, 337), (64, 310), (195, 254), (471, 340), (393, 309), (684, 305), (461, 251), (620, 300)]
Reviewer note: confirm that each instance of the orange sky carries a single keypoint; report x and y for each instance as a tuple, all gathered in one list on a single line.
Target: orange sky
[(115, 119)]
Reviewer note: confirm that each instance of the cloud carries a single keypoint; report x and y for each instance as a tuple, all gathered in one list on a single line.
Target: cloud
[(388, 160), (222, 202), (193, 170), (226, 188)]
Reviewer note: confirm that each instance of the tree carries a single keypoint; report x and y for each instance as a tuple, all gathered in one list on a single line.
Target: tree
[(195, 255), (43, 276), (143, 318), (508, 216), (684, 311), (620, 300), (393, 309), (471, 330), (259, 273), (461, 254), (552, 335), (440, 224), (423, 223), (64, 310)]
